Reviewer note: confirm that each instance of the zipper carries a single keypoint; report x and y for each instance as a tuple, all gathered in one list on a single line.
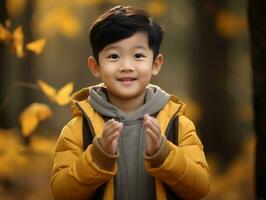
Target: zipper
[(123, 170), (139, 183)]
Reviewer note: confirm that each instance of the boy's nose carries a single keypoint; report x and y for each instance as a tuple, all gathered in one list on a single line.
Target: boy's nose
[(126, 69)]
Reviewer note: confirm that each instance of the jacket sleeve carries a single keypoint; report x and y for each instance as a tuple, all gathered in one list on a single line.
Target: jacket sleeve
[(75, 175), (185, 169)]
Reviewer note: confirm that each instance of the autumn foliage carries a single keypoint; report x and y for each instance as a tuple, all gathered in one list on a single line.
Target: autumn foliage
[(25, 167)]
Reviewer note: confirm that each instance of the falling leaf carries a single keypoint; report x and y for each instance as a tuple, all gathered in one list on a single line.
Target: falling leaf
[(10, 161), (15, 7), (11, 157), (5, 34), (36, 46), (89, 2), (62, 97), (48, 90), (18, 42), (60, 20), (156, 8), (16, 39), (229, 24), (41, 144), (32, 115)]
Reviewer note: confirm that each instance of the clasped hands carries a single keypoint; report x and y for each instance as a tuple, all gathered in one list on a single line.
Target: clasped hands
[(112, 131)]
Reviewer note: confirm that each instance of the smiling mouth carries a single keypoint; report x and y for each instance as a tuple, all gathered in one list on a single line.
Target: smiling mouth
[(126, 79)]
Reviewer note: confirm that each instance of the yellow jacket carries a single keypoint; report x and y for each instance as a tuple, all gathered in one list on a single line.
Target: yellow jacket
[(76, 176)]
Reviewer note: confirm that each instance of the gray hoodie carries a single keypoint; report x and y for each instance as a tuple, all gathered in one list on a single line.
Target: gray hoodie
[(131, 181)]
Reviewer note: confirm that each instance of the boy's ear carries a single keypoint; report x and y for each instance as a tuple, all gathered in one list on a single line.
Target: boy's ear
[(94, 66), (157, 64)]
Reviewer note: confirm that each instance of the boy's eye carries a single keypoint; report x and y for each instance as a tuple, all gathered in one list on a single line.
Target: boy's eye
[(139, 55), (113, 56)]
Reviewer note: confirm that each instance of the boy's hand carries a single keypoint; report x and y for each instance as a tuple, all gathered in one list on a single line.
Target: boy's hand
[(154, 136), (110, 136)]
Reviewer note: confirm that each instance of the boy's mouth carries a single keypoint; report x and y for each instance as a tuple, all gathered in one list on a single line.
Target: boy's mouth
[(126, 79)]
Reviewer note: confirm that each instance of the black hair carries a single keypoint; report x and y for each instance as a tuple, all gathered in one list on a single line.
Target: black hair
[(122, 22)]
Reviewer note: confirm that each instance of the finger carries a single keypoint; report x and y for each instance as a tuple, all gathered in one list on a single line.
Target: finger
[(109, 124), (150, 125), (155, 122), (152, 120), (154, 138), (117, 131), (146, 117), (120, 126), (111, 128), (112, 137), (110, 121)]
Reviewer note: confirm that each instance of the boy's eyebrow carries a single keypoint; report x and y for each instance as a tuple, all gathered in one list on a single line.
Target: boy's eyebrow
[(111, 47), (140, 47), (135, 47)]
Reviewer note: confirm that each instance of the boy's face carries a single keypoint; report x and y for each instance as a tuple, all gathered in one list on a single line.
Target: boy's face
[(126, 66)]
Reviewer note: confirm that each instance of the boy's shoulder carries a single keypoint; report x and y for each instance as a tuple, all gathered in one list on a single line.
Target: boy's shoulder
[(174, 106), (80, 106), (79, 100)]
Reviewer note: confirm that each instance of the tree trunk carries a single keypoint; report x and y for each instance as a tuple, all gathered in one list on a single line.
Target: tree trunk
[(3, 17), (217, 125), (257, 28), (13, 100), (26, 73)]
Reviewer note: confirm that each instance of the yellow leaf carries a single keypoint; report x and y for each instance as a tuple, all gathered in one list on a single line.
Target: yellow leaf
[(5, 34), (62, 97), (229, 24), (18, 41), (48, 90), (10, 162), (36, 46), (29, 124), (32, 115), (59, 20), (40, 144), (89, 2), (15, 7), (12, 156), (68, 24), (156, 8)]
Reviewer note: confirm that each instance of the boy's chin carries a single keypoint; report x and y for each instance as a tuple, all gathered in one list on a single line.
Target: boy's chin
[(127, 95)]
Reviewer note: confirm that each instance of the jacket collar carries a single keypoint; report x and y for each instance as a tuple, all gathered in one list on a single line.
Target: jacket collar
[(81, 106)]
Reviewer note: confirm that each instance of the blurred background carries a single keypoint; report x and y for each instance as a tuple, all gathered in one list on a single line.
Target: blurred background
[(43, 59)]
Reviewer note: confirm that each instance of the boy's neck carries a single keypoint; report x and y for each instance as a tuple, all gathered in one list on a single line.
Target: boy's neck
[(127, 105)]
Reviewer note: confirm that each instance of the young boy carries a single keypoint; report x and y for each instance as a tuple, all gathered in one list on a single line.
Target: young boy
[(130, 157)]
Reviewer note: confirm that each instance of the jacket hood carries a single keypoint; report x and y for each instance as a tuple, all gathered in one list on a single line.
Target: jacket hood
[(78, 97), (155, 97)]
